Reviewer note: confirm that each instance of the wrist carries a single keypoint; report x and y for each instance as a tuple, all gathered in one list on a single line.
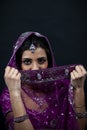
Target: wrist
[(78, 90), (15, 93), (79, 98), (80, 108)]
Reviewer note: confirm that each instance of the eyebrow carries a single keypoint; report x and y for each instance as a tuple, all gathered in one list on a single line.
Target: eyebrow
[(37, 58), (23, 59), (26, 58), (42, 57)]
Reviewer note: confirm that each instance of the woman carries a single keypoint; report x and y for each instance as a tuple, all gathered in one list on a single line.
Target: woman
[(38, 95)]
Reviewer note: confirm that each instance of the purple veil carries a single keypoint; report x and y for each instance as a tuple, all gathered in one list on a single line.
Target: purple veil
[(49, 92)]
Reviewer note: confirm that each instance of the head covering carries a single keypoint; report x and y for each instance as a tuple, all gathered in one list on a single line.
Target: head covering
[(19, 43), (49, 92)]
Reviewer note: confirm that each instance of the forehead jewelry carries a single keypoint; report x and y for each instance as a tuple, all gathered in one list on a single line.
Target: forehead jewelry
[(32, 48)]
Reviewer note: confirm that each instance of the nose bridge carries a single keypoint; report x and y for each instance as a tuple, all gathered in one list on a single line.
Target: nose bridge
[(35, 66)]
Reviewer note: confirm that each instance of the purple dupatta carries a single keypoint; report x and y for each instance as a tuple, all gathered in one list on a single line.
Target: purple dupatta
[(49, 91)]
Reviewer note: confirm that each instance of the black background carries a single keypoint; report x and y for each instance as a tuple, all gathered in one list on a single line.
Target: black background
[(63, 22)]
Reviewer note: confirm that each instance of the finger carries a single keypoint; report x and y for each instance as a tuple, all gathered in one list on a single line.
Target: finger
[(10, 72), (76, 74), (7, 69), (14, 72), (83, 70), (72, 76), (79, 70), (18, 76)]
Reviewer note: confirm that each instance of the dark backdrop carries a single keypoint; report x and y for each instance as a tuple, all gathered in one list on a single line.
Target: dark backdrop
[(63, 21)]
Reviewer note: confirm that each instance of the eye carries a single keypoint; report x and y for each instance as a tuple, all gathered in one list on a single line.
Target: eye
[(42, 60), (27, 61)]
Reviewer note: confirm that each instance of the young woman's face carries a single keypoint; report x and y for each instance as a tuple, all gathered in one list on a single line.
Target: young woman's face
[(34, 61)]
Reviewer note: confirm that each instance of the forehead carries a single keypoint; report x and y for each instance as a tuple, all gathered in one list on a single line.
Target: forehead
[(39, 52)]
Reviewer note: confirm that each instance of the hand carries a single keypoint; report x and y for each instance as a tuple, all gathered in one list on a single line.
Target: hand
[(12, 79), (78, 77)]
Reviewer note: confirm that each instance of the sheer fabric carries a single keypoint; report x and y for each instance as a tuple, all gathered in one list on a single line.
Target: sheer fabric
[(47, 94), (48, 99)]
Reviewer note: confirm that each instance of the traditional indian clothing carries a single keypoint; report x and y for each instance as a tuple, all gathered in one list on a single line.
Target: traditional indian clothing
[(47, 94)]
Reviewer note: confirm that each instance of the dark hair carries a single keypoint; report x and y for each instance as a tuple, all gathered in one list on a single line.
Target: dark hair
[(38, 42)]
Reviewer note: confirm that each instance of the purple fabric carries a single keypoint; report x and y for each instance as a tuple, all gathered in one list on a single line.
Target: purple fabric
[(19, 42), (56, 111)]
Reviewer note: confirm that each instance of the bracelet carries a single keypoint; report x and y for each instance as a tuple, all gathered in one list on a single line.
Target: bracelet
[(79, 106), (81, 115), (20, 118)]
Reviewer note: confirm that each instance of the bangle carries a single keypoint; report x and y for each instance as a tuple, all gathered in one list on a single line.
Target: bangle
[(20, 118), (79, 106), (81, 115)]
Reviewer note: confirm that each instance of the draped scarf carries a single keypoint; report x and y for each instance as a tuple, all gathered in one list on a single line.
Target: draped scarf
[(47, 94)]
